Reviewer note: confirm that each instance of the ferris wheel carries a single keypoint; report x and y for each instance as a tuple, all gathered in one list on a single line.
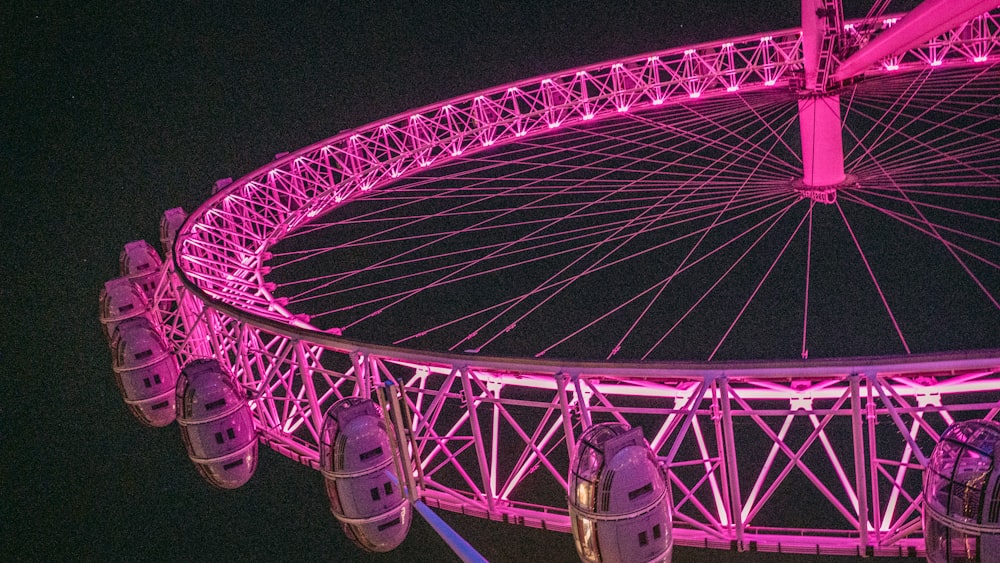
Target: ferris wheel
[(758, 273)]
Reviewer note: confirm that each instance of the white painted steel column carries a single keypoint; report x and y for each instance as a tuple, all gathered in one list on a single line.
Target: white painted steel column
[(732, 472), (477, 434), (860, 478), (819, 113), (822, 140), (930, 18), (306, 373)]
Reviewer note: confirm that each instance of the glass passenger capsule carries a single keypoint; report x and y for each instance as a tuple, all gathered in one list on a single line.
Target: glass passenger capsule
[(120, 300), (962, 496), (216, 424), (170, 223), (145, 370), (618, 503), (140, 263), (357, 464)]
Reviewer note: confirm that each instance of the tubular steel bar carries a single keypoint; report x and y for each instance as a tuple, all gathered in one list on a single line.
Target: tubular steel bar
[(293, 371)]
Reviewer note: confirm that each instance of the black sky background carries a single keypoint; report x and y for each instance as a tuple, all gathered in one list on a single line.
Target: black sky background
[(112, 113)]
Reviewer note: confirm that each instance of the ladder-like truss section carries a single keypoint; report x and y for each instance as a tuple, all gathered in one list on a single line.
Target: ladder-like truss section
[(810, 457), (224, 245), (797, 457)]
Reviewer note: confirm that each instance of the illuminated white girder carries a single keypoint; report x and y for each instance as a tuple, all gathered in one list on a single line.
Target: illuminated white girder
[(928, 20), (819, 111), (489, 433)]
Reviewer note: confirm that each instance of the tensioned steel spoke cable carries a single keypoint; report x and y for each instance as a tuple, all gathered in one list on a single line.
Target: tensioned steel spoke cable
[(931, 227), (715, 168), (483, 165), (550, 279), (805, 304), (774, 219), (885, 193), (444, 195), (340, 275), (779, 135), (617, 155), (915, 188), (934, 126), (917, 225), (416, 291), (918, 159), (680, 264), (880, 127), (769, 195), (643, 194), (871, 274), (657, 284), (776, 199), (760, 284)]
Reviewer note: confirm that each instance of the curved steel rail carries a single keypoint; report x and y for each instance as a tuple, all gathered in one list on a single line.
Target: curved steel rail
[(759, 452)]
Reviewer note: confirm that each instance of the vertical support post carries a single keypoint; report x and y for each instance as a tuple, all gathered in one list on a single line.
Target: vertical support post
[(566, 419), (812, 40), (477, 434), (822, 140), (360, 363), (306, 374), (860, 477), (403, 444), (732, 472), (819, 112), (582, 401), (872, 420)]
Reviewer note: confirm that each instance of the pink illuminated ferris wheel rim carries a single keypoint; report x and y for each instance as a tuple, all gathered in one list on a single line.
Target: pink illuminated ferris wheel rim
[(640, 210), (476, 263)]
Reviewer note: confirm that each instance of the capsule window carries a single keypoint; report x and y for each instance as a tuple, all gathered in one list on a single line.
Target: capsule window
[(643, 540), (219, 439), (657, 532), (216, 404), (231, 433), (387, 487), (232, 464), (371, 453), (375, 495), (394, 522), (143, 355), (161, 405), (126, 308), (147, 383), (643, 490)]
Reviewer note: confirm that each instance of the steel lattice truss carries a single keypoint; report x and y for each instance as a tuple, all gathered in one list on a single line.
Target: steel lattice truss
[(760, 454)]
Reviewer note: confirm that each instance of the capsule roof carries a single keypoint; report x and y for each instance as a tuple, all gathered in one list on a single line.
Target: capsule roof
[(206, 392), (170, 223), (120, 300), (136, 343), (138, 258)]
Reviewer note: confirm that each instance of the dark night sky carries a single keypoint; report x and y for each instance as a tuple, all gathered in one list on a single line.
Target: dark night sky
[(110, 116)]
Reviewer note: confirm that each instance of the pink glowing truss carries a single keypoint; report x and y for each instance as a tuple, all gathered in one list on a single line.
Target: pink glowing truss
[(490, 256)]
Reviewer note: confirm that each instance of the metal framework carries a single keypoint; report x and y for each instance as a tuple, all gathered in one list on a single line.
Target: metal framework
[(806, 456)]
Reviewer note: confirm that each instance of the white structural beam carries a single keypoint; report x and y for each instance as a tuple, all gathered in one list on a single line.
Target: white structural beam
[(822, 140), (929, 19), (819, 114)]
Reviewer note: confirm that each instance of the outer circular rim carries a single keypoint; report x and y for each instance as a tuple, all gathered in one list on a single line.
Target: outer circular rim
[(220, 258)]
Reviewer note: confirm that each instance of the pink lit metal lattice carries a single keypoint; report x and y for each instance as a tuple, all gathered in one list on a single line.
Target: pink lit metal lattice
[(788, 348)]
